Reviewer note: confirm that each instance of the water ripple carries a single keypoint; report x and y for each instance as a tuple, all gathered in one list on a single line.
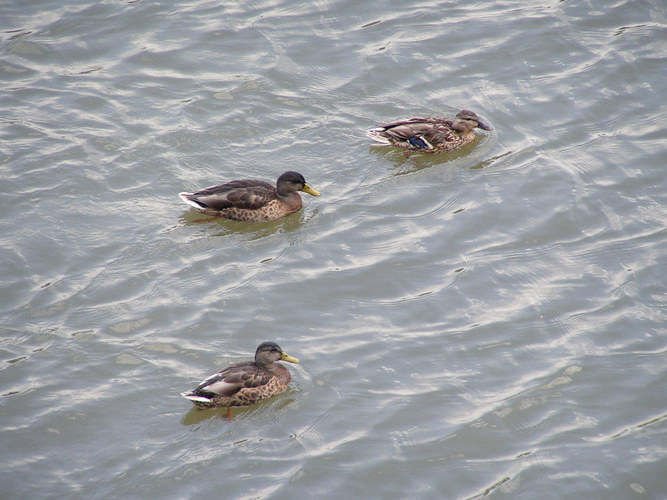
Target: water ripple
[(488, 321)]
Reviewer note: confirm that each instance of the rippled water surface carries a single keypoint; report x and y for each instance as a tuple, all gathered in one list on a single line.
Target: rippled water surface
[(490, 322)]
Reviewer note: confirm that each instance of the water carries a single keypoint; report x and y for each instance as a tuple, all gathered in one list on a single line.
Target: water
[(484, 323)]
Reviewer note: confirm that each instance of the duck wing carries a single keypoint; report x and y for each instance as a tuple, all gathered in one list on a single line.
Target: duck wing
[(247, 193), (423, 133), (232, 379)]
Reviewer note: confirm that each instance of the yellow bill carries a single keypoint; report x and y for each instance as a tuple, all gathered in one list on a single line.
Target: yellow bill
[(287, 357), (309, 190)]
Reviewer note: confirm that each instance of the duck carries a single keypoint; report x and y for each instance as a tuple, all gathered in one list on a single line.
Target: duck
[(251, 199), (246, 383), (430, 135)]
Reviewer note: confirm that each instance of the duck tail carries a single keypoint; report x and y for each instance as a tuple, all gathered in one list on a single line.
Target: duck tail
[(378, 135), (186, 197), (195, 398)]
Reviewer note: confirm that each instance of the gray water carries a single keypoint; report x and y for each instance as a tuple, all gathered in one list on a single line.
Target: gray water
[(486, 323)]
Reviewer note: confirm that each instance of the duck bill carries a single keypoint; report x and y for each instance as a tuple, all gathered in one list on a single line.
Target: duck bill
[(309, 190), (288, 358), (483, 125)]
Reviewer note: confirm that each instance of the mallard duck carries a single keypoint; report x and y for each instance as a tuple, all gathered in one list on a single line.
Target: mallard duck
[(247, 383), (251, 200), (430, 135)]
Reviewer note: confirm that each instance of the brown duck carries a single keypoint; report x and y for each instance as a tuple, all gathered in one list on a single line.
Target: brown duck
[(247, 383), (430, 135), (251, 200)]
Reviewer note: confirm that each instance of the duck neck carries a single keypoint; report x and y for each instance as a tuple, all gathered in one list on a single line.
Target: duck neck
[(283, 192), (460, 126)]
